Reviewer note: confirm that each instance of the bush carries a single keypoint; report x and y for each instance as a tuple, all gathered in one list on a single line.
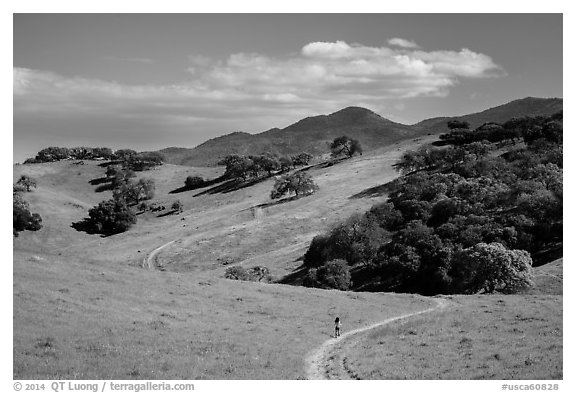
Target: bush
[(286, 164), (177, 206), (301, 159), (257, 273), (26, 182), (193, 182), (23, 219), (132, 193), (334, 274), (110, 217), (491, 267)]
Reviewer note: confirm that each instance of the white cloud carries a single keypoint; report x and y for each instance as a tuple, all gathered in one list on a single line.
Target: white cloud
[(402, 43), (251, 91)]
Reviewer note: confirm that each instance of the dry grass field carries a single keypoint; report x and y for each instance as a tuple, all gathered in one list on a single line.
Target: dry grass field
[(475, 337), (85, 308)]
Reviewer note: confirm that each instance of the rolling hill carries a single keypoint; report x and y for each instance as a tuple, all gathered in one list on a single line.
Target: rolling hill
[(313, 134), (529, 106), (86, 306)]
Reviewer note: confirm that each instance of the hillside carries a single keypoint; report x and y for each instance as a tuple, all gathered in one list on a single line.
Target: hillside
[(529, 106), (153, 302), (98, 314), (313, 134), (84, 308)]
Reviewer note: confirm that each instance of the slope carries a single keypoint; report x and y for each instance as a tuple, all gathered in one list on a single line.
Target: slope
[(311, 134), (529, 106), (88, 310)]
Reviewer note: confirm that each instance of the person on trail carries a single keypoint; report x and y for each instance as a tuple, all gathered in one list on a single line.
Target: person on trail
[(337, 326)]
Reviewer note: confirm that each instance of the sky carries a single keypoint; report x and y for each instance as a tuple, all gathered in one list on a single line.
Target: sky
[(150, 81)]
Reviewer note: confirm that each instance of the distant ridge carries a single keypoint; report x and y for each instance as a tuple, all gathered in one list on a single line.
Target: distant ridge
[(312, 134), (529, 106)]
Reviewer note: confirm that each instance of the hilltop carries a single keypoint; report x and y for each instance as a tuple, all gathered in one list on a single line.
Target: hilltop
[(313, 134)]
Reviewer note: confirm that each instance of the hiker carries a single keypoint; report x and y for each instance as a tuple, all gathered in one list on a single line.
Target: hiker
[(337, 326)]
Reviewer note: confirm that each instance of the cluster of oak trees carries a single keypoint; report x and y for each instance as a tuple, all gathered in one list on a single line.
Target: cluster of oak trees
[(23, 218), (265, 165), (128, 158), (117, 214), (463, 219)]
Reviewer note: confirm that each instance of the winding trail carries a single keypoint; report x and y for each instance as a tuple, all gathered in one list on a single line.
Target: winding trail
[(322, 364), (148, 261)]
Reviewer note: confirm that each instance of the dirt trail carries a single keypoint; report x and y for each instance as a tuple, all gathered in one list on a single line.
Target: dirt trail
[(324, 363), (148, 261)]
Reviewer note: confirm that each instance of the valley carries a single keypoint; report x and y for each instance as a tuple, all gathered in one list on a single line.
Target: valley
[(153, 303)]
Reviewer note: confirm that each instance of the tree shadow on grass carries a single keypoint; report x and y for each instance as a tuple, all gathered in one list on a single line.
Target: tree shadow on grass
[(207, 183), (103, 183), (104, 187), (232, 185), (86, 226), (296, 277), (274, 203), (324, 164), (374, 192), (168, 213), (100, 180)]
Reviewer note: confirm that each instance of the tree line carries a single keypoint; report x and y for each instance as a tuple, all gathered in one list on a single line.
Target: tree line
[(264, 165), (127, 157), (465, 218)]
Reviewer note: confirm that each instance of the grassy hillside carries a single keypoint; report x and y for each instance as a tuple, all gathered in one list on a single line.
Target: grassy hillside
[(84, 307), (98, 314), (476, 337)]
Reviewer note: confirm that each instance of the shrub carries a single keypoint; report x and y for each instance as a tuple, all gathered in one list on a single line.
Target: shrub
[(286, 164), (23, 219), (334, 274), (237, 273), (491, 267), (301, 159), (177, 206), (26, 182), (193, 182), (132, 193), (110, 217), (256, 273)]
